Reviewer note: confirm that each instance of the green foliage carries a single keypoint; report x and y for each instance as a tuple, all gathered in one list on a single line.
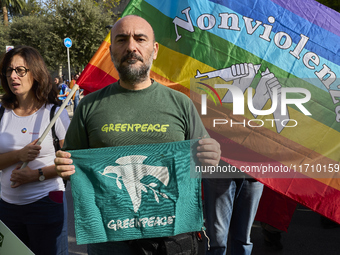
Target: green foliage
[(108, 6), (333, 4), (35, 31), (9, 8), (34, 8), (84, 23), (16, 5), (4, 38), (45, 27)]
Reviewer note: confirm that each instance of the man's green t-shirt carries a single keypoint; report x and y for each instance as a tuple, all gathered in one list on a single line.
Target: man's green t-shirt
[(114, 116)]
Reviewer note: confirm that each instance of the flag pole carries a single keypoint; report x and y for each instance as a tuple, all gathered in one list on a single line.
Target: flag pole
[(54, 119)]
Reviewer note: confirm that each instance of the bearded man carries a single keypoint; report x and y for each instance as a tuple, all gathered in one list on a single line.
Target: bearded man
[(135, 98)]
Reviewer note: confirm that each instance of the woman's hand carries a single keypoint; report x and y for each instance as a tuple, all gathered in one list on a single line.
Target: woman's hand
[(22, 176), (29, 152)]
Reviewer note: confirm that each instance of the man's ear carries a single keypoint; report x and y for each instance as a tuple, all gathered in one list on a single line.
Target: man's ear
[(155, 48)]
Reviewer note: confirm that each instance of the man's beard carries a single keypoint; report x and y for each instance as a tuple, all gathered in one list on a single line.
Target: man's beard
[(133, 75)]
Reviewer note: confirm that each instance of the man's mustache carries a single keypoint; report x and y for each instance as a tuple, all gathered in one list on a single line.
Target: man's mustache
[(131, 55)]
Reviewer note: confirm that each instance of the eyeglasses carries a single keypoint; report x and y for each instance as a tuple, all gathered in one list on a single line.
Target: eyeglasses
[(21, 71)]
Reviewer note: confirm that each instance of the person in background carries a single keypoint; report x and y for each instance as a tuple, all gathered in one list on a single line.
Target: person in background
[(32, 198), (57, 82), (64, 90), (135, 98), (76, 95), (230, 208)]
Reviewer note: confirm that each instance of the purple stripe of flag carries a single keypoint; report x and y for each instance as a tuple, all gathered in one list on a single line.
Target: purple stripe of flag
[(314, 12)]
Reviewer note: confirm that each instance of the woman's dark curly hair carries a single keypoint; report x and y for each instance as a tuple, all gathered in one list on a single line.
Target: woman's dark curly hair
[(44, 91)]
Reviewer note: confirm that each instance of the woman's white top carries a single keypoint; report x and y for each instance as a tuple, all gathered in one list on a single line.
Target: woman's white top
[(18, 131)]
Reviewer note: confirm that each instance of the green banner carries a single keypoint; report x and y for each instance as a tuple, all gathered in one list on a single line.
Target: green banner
[(132, 192)]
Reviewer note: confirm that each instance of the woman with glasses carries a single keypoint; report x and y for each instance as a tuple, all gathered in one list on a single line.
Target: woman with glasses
[(31, 202)]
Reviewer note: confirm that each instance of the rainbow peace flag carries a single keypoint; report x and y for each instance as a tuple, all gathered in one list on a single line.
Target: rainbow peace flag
[(263, 75)]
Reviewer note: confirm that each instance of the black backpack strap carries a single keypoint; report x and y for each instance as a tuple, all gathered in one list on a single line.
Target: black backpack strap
[(2, 110), (55, 138)]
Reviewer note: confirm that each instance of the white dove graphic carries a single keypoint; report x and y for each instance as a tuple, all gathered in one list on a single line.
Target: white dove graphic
[(131, 170)]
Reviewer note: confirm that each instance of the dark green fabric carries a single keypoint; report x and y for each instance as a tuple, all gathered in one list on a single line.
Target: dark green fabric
[(114, 188)]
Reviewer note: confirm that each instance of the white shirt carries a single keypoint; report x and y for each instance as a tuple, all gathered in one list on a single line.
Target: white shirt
[(18, 131)]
